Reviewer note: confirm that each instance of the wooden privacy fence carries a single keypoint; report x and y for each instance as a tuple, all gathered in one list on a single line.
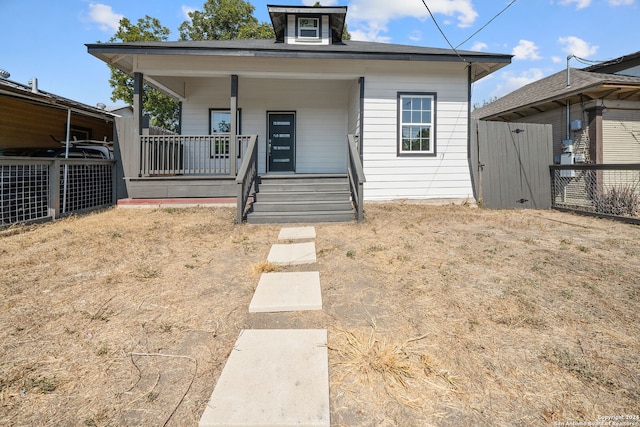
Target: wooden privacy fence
[(510, 164)]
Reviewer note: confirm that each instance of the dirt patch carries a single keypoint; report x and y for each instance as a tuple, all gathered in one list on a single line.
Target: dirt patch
[(436, 316)]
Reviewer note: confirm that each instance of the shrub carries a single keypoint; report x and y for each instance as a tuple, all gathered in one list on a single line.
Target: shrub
[(621, 201)]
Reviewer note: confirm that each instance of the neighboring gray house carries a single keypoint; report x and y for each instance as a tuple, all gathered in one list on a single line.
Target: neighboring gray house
[(301, 96), (596, 108)]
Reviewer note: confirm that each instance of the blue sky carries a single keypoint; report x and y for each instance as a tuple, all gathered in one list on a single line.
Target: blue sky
[(46, 39)]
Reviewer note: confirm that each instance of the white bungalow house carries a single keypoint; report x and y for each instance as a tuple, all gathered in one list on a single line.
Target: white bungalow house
[(298, 101)]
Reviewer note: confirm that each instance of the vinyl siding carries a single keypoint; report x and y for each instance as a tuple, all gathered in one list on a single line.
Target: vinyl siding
[(621, 136), (557, 118), (354, 108), (321, 108), (392, 177), (291, 31)]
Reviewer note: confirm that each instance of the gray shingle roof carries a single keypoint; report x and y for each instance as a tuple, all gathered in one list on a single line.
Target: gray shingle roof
[(262, 47), (551, 88)]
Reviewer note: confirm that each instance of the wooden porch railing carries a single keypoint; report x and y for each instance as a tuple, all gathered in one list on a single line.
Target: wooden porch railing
[(247, 177), (171, 155), (356, 176)]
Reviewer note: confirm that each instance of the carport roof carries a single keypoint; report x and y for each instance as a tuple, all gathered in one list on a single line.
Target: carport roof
[(26, 93)]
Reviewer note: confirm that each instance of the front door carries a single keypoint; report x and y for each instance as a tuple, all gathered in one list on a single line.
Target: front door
[(281, 142)]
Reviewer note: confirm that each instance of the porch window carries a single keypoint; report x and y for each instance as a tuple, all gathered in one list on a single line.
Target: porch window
[(416, 124), (309, 28), (220, 123)]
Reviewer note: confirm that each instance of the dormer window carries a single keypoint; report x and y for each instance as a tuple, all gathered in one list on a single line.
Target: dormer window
[(308, 28), (308, 24)]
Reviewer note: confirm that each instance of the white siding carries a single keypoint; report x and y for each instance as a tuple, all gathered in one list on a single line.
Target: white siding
[(292, 36), (321, 109), (557, 118), (621, 136), (354, 108), (392, 177)]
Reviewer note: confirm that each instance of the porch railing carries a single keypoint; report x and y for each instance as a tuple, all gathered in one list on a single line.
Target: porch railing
[(247, 177), (602, 190), (174, 155), (356, 176)]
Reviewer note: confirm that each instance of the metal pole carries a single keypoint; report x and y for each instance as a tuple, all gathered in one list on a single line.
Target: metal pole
[(66, 156), (568, 72)]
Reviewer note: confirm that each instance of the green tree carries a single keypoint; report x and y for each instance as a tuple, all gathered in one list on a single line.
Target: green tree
[(346, 35), (224, 20), (477, 105), (162, 109)]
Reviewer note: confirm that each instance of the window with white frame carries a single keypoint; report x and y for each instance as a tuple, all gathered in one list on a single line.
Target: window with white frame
[(220, 124), (416, 124), (309, 28)]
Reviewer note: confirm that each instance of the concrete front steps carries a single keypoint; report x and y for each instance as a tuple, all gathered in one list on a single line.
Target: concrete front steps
[(302, 199)]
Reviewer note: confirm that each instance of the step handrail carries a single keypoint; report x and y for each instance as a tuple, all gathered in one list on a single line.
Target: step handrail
[(356, 175), (247, 177)]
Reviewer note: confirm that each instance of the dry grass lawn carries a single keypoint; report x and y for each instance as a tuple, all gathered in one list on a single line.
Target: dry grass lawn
[(442, 316)]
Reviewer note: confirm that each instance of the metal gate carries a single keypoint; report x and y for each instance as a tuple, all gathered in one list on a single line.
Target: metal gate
[(510, 164)]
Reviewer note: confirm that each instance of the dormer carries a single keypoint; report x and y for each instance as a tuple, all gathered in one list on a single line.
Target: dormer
[(308, 24)]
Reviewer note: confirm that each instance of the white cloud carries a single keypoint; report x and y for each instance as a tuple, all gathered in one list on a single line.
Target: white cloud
[(104, 16), (369, 18), (479, 46), (621, 2), (556, 59), (580, 4), (526, 50), (371, 33), (578, 47), (511, 82), (416, 36), (186, 10)]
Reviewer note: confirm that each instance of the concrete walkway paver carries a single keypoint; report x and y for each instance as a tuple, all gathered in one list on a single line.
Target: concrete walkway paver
[(297, 233), (273, 378), (287, 291), (293, 253)]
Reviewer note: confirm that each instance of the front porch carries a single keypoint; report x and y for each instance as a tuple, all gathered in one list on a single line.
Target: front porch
[(219, 154), (197, 168)]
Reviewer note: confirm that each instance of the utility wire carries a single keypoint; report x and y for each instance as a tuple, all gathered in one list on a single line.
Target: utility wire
[(488, 22), (594, 61), (442, 32)]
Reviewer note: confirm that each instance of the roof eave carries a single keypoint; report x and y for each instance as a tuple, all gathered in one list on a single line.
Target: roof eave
[(101, 51), (557, 98)]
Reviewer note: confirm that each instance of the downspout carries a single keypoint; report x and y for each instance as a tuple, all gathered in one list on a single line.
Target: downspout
[(477, 192), (568, 136)]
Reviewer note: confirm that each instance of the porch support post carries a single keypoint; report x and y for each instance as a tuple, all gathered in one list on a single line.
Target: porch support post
[(233, 137), (595, 134), (361, 129), (138, 92)]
